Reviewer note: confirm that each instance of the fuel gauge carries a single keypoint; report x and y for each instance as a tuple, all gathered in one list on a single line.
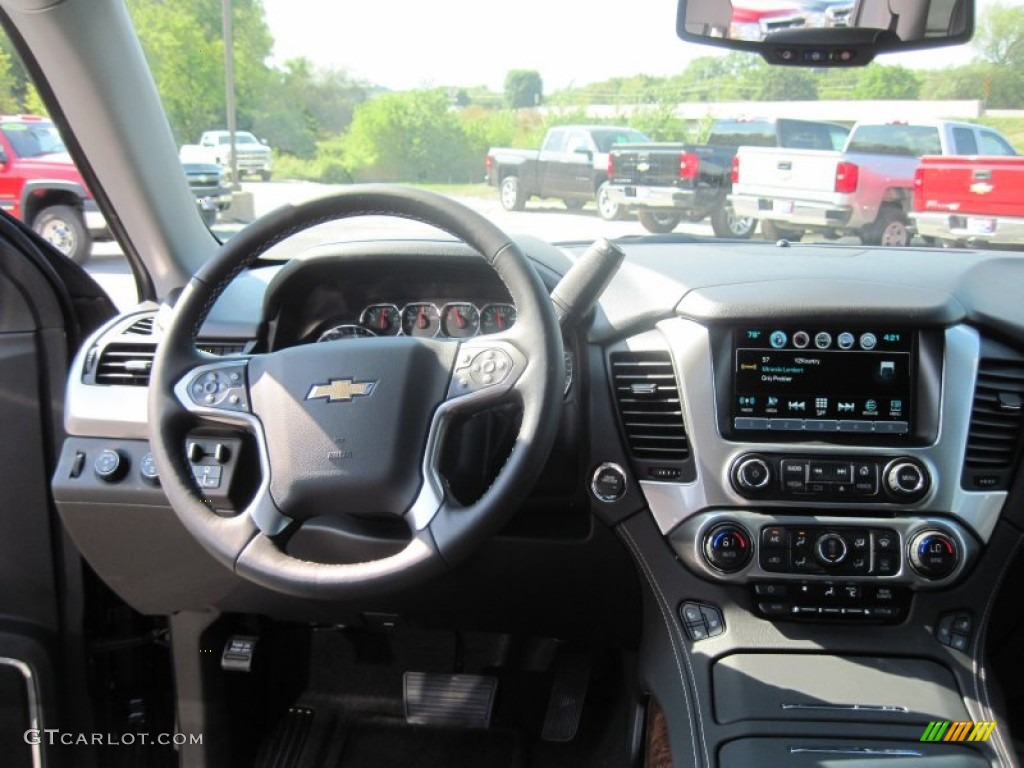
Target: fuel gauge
[(382, 319), (459, 321), (421, 320), (495, 318)]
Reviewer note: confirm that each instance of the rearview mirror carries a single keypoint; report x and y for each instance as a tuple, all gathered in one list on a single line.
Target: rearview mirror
[(817, 33)]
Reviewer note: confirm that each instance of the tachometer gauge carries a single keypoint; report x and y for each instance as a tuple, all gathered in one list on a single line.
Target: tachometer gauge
[(344, 332), (460, 320), (421, 320), (497, 317), (382, 319)]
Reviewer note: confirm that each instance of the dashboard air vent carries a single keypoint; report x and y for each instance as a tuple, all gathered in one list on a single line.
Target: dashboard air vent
[(142, 327), (125, 364), (647, 396), (997, 424)]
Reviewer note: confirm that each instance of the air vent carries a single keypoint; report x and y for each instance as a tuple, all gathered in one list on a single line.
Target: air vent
[(647, 396), (125, 364), (997, 418), (142, 327), (221, 346)]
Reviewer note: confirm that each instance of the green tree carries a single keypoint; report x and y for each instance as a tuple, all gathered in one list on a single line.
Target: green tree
[(523, 88), (887, 82), (999, 37), (9, 101)]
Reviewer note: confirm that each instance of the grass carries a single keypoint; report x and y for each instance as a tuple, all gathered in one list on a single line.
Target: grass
[(1011, 127)]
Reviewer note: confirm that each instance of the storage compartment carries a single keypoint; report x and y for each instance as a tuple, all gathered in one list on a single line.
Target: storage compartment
[(798, 752), (779, 686)]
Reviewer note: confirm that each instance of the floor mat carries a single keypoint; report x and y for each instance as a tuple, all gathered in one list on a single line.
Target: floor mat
[(373, 745)]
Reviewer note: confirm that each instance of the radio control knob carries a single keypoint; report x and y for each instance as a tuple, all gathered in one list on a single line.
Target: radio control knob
[(906, 479), (830, 549), (753, 474), (728, 547), (934, 554)]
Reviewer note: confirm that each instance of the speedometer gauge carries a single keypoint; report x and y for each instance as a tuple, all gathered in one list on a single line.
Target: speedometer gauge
[(421, 320), (382, 319), (344, 332), (497, 317)]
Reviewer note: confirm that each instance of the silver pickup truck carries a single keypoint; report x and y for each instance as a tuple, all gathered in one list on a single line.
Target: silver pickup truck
[(865, 190)]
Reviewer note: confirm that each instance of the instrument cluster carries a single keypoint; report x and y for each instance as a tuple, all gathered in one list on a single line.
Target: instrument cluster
[(453, 320)]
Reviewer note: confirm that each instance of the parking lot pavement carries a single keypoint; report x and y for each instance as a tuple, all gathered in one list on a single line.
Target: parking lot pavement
[(548, 220)]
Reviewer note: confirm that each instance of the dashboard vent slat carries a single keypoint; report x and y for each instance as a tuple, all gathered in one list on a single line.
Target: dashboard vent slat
[(647, 398), (125, 364), (142, 327), (997, 424)]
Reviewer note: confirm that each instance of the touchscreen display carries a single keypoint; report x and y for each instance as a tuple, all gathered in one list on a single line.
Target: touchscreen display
[(851, 380)]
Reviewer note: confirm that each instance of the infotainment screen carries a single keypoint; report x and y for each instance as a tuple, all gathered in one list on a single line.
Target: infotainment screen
[(823, 380)]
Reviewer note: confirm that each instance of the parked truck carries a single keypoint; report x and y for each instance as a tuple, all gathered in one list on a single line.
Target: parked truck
[(255, 158), (970, 199), (572, 164), (667, 183), (864, 190)]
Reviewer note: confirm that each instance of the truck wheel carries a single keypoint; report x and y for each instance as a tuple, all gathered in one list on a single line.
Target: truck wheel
[(512, 197), (573, 204), (890, 229), (773, 232), (607, 208), (660, 222), (62, 227), (726, 223)]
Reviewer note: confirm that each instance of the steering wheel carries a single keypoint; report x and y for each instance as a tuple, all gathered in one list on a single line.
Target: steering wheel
[(355, 429)]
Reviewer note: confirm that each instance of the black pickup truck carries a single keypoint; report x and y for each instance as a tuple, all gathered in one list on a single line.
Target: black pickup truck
[(667, 183), (572, 164)]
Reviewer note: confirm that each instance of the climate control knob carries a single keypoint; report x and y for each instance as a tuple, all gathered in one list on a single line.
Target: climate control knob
[(934, 554), (905, 478), (830, 549), (752, 474), (727, 547)]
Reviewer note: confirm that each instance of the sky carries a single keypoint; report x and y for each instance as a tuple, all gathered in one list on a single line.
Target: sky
[(401, 44)]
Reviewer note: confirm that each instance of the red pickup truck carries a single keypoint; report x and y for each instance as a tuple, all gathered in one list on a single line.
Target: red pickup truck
[(40, 185), (961, 199)]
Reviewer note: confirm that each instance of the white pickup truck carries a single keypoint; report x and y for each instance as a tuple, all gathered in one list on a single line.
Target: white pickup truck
[(865, 190), (254, 157)]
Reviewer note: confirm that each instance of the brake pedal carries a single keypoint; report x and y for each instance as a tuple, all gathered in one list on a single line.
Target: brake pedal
[(463, 701), (565, 707)]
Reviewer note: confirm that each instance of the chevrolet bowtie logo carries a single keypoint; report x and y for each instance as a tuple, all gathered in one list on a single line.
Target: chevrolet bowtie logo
[(341, 390)]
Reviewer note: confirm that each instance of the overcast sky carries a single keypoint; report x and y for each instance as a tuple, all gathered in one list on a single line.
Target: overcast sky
[(402, 44)]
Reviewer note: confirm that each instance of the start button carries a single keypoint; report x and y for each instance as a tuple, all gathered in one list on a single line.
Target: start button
[(608, 483)]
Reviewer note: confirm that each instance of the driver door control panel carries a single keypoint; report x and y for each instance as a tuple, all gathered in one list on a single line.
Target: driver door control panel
[(832, 601), (821, 550), (701, 620), (854, 478)]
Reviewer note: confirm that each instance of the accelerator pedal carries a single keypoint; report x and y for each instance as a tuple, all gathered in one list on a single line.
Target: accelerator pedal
[(460, 701), (285, 747), (565, 707)]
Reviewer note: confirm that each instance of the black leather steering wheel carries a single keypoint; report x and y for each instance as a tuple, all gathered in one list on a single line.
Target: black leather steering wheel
[(386, 401)]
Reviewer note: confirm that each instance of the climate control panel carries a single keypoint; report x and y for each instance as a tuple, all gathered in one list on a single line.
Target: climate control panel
[(857, 479), (750, 547)]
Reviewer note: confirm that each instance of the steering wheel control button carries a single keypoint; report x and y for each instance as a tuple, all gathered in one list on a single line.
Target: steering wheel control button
[(830, 549), (752, 474), (148, 471), (728, 547), (906, 479), (223, 387), (701, 621), (481, 368), (110, 465), (609, 483), (934, 554)]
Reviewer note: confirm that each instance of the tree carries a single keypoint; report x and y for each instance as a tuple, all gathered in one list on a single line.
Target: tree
[(523, 88), (887, 82), (999, 38)]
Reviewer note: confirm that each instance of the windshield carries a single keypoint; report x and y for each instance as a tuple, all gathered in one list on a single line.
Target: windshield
[(537, 135), (33, 139)]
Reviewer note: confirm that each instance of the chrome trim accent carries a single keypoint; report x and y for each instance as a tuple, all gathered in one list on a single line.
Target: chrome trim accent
[(35, 712), (264, 513), (859, 751), (593, 482), (689, 345), (688, 542), (885, 709)]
